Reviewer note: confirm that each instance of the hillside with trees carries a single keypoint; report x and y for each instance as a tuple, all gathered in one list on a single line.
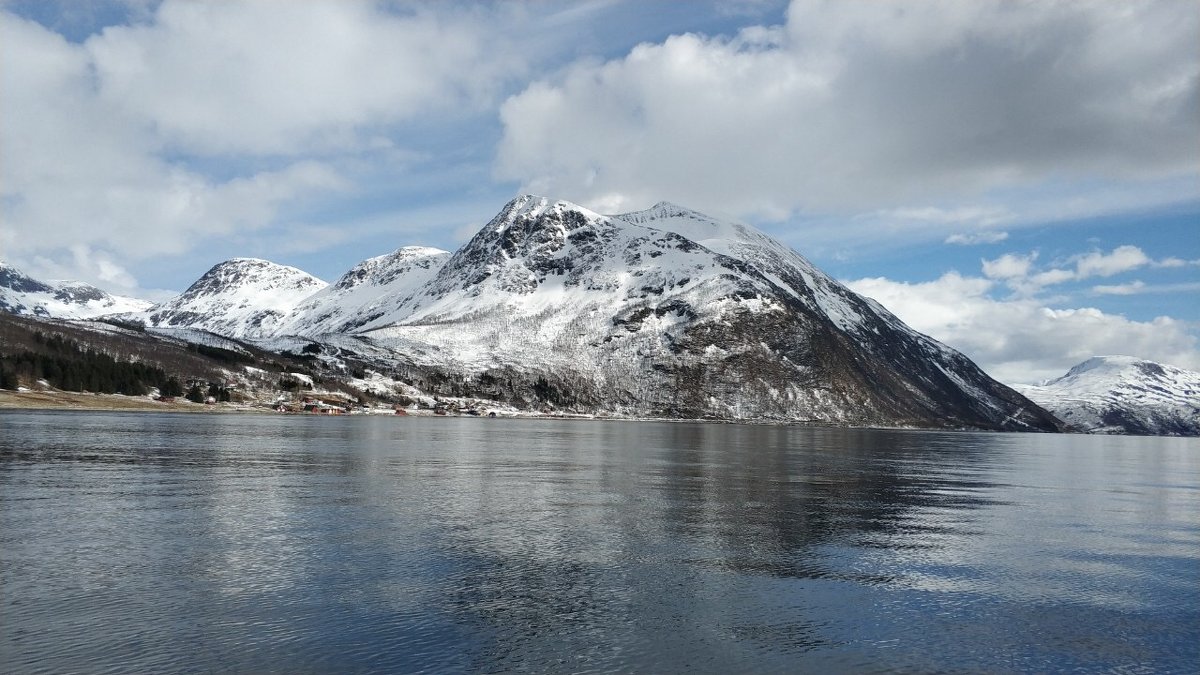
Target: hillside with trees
[(115, 359)]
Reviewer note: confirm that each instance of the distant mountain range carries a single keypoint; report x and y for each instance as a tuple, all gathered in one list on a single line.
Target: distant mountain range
[(664, 312), (1124, 395), (22, 294)]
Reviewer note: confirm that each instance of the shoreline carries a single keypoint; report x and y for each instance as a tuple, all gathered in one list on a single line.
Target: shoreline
[(89, 402), (31, 400), (54, 400), (51, 400)]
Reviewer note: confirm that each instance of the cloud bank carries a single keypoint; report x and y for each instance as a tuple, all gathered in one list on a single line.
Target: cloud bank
[(1021, 274), (210, 119), (290, 128), (1022, 340), (856, 106)]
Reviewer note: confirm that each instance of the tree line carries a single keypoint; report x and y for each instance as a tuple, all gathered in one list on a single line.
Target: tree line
[(66, 365)]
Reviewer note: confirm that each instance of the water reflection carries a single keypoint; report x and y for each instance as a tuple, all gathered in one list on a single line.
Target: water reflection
[(649, 548), (277, 544)]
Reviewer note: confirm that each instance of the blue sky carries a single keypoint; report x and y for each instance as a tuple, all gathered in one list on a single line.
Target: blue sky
[(1019, 180)]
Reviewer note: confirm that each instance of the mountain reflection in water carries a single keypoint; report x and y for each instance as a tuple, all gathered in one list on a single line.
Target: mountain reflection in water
[(282, 544)]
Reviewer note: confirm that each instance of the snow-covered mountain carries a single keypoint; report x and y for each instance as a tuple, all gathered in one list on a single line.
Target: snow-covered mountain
[(22, 294), (670, 312), (239, 298), (370, 293), (659, 312), (1124, 395)]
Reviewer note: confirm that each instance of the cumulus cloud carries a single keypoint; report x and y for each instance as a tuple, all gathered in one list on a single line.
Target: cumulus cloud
[(98, 264), (1100, 264), (1023, 341), (1009, 266), (203, 120), (1019, 272), (79, 173), (252, 77), (855, 106)]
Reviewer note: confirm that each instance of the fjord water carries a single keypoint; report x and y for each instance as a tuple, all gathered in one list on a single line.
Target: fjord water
[(163, 543)]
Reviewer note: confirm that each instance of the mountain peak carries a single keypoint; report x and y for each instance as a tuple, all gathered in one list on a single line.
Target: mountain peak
[(370, 293), (15, 280), (663, 312), (243, 260), (256, 264), (382, 270), (671, 312), (528, 225), (665, 209), (1124, 394), (252, 272), (531, 209), (239, 297), (22, 294), (1112, 367)]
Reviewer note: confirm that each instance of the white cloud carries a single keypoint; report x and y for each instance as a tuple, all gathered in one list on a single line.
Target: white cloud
[(1121, 259), (98, 264), (1018, 271), (253, 77), (1049, 277), (1175, 262), (1131, 288), (1009, 266), (971, 239), (1022, 341), (978, 215), (1142, 288), (933, 218), (99, 139), (852, 107)]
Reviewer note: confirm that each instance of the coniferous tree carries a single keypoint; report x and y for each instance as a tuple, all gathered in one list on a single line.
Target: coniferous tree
[(171, 387), (8, 380)]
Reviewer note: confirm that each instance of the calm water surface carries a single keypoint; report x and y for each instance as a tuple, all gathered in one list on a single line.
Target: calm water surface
[(198, 543)]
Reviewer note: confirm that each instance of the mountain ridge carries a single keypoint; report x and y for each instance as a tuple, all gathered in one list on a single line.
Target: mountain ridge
[(239, 297), (1123, 394), (22, 294), (632, 317), (372, 289), (661, 312)]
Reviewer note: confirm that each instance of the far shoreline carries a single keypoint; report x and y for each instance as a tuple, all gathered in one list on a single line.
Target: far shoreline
[(90, 402), (54, 401)]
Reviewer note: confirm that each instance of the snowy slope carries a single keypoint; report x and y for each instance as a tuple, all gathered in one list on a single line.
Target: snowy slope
[(370, 292), (663, 312), (1124, 395), (239, 298), (22, 294), (670, 312)]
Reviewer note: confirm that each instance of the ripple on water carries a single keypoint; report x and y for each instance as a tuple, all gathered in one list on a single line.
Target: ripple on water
[(136, 543)]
